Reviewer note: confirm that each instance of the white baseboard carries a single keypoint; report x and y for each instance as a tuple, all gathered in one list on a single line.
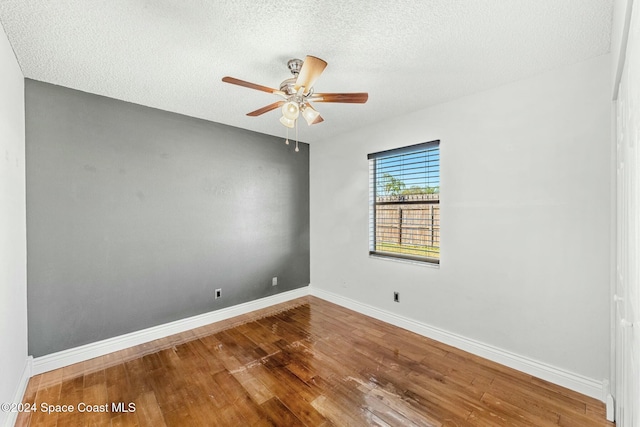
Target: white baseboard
[(561, 377), (89, 351), (11, 417), (611, 408)]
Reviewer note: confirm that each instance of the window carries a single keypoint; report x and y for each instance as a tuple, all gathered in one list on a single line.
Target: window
[(404, 202)]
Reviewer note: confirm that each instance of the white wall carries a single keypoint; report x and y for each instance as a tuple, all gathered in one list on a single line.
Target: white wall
[(13, 280), (525, 185)]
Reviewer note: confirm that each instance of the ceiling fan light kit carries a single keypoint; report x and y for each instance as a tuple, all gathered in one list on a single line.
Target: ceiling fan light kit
[(297, 92), (291, 110), (309, 114), (290, 123)]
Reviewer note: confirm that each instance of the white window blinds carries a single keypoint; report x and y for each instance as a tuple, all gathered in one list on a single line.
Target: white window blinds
[(404, 202)]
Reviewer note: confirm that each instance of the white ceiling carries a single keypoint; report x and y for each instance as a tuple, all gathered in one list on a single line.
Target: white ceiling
[(409, 54)]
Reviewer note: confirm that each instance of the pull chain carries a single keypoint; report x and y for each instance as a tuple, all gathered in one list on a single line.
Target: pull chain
[(297, 149)]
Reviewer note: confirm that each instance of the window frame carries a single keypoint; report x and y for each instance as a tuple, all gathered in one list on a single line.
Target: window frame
[(373, 203)]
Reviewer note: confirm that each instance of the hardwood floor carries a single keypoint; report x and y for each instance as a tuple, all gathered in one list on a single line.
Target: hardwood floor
[(303, 363)]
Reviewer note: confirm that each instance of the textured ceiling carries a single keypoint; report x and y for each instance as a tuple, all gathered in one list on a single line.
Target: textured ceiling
[(407, 54)]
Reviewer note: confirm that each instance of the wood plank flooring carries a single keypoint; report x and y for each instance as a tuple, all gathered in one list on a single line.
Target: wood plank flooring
[(303, 363)]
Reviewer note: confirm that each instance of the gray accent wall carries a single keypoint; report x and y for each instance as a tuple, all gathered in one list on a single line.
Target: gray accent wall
[(136, 215)]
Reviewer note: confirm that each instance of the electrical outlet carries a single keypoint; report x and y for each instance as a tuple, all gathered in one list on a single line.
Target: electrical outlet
[(218, 293), (396, 296), (274, 281)]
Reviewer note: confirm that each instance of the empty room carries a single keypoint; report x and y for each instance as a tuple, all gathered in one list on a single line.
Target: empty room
[(320, 213)]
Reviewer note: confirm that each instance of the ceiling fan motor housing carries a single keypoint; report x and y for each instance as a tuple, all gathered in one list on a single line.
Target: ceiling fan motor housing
[(294, 66), (288, 86)]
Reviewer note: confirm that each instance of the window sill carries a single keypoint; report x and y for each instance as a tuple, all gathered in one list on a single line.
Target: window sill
[(404, 260)]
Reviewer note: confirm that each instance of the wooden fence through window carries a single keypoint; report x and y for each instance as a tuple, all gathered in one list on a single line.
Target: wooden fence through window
[(408, 220)]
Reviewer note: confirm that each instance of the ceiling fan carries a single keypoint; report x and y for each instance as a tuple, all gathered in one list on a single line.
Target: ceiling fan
[(297, 93)]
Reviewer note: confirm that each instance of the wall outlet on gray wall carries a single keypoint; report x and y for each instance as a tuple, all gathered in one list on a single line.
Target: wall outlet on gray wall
[(396, 296), (218, 293), (274, 281)]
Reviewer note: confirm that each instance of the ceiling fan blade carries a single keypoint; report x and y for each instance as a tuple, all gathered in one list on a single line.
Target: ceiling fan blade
[(250, 85), (311, 69), (266, 109), (350, 98), (318, 120)]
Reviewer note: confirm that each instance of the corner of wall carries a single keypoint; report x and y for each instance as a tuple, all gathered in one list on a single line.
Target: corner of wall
[(11, 416)]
